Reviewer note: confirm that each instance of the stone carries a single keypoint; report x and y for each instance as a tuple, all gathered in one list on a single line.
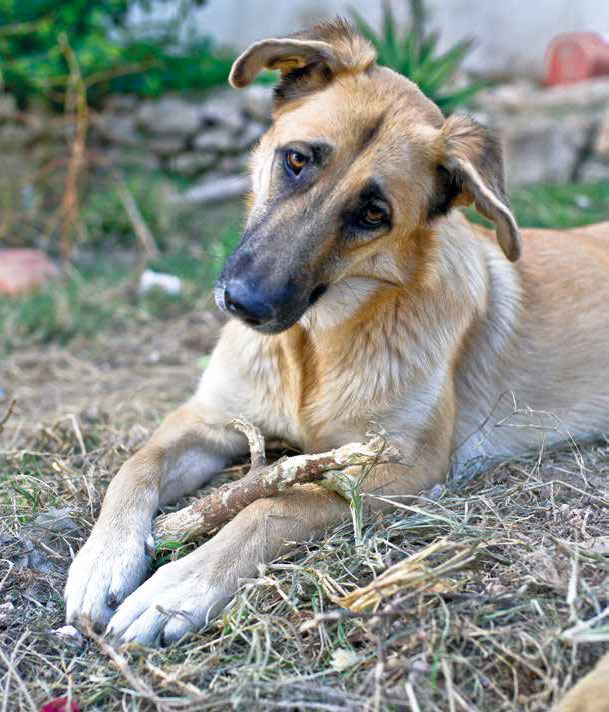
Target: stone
[(214, 189), (15, 136), (593, 171), (231, 165), (252, 133), (69, 634), (118, 129), (165, 146), (191, 163), (544, 148), (8, 106), (169, 116), (601, 140), (55, 520), (223, 110), (217, 140), (121, 104), (257, 102), (523, 96), (24, 270)]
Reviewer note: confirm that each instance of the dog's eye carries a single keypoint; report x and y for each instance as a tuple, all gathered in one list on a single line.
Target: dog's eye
[(371, 216), (295, 161)]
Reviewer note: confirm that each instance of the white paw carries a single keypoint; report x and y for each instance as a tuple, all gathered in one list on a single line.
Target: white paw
[(178, 599), (105, 571)]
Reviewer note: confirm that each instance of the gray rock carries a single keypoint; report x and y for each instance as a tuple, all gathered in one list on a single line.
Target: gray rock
[(14, 136), (544, 148), (592, 171), (118, 129), (169, 116), (8, 106), (254, 130), (192, 163), (55, 520), (121, 104), (601, 140), (257, 102), (224, 110), (231, 165), (214, 189), (523, 96), (217, 140), (165, 146)]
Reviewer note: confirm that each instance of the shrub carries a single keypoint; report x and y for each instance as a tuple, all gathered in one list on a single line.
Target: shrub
[(109, 56), (414, 53)]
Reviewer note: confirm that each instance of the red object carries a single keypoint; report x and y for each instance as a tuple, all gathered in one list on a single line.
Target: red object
[(24, 270), (60, 705), (575, 57)]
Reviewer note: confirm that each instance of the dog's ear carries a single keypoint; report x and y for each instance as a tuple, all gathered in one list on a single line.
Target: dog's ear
[(469, 168), (307, 61)]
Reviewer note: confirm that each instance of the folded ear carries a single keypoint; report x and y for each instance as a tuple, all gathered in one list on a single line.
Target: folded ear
[(470, 169), (308, 60)]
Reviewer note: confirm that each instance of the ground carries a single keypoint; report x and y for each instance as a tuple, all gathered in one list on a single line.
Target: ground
[(503, 611)]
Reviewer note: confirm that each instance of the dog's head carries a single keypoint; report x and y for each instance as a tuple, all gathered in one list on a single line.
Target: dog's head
[(357, 162)]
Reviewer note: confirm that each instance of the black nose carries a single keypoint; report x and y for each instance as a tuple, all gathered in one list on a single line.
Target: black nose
[(247, 303)]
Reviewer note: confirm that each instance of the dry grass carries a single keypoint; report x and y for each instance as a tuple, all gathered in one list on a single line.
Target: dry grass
[(502, 610)]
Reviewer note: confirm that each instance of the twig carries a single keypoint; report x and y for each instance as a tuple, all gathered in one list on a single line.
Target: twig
[(76, 103), (7, 415), (267, 480), (140, 228)]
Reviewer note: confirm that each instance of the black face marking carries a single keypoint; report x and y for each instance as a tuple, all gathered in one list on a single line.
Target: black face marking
[(353, 216), (371, 132), (448, 185)]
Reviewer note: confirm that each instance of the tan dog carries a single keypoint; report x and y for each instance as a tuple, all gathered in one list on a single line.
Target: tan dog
[(362, 299)]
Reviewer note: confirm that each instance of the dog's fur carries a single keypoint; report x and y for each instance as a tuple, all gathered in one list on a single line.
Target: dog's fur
[(426, 323)]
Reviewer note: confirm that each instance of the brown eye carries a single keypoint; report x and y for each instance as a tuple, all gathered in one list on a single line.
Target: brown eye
[(372, 216), (295, 161)]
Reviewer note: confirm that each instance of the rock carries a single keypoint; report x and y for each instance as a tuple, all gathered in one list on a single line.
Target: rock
[(601, 141), (218, 140), (5, 612), (223, 110), (232, 165), (191, 164), (593, 171), (24, 270), (121, 104), (69, 634), (523, 96), (15, 136), (544, 148), (36, 559), (214, 189), (257, 102), (165, 146), (8, 106), (55, 520), (118, 129), (170, 115), (252, 133)]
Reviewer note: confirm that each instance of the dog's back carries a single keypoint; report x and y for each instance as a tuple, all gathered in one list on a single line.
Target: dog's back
[(537, 363)]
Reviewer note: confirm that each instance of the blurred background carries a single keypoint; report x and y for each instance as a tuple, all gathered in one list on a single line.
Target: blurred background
[(123, 152)]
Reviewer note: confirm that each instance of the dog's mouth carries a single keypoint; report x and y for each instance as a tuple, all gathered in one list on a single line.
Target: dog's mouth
[(267, 318)]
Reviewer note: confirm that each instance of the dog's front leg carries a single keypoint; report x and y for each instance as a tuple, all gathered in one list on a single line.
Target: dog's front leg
[(183, 453), (184, 595)]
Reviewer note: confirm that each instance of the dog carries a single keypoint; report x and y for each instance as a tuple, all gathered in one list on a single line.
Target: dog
[(361, 298)]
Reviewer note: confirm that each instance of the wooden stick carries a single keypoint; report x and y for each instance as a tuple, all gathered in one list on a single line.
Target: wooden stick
[(264, 480)]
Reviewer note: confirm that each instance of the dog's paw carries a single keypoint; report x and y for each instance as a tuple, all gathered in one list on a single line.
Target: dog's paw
[(180, 598), (105, 571)]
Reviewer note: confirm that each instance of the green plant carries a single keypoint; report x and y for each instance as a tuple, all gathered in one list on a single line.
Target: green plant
[(414, 53), (110, 57)]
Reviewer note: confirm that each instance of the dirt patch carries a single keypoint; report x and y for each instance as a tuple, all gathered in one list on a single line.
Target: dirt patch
[(510, 630)]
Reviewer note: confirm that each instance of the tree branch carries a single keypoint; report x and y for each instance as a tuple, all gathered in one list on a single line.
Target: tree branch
[(262, 480)]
